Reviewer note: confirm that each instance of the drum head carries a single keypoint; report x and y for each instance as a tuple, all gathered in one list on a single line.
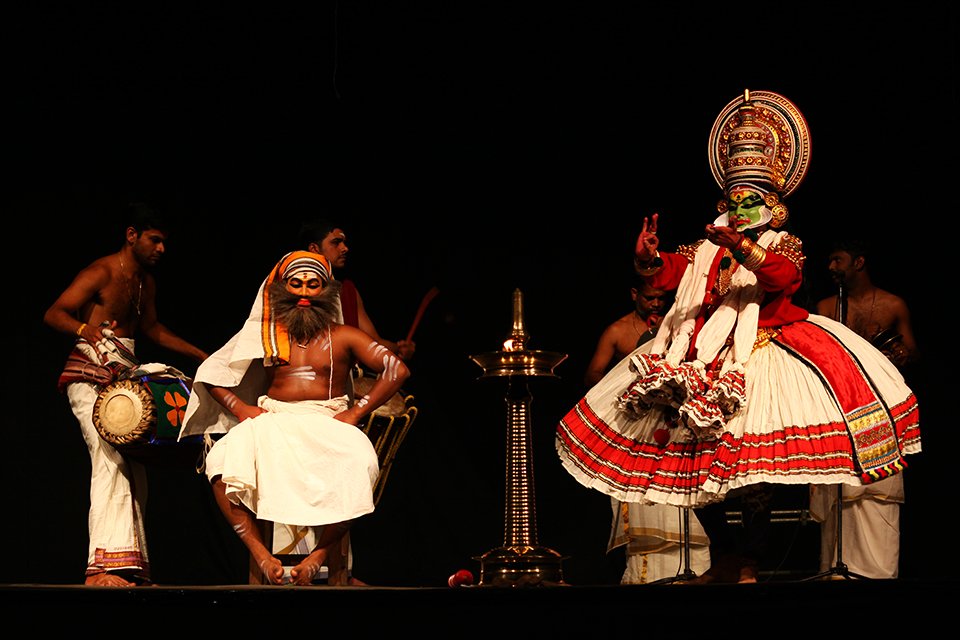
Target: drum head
[(124, 412)]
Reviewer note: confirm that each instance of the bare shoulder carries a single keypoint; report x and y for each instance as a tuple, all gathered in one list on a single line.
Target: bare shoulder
[(356, 338), (103, 264), (888, 296), (98, 273), (826, 306), (622, 325), (613, 330), (346, 331), (892, 304)]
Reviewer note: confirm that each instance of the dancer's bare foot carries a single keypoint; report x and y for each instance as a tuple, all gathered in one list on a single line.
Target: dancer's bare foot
[(705, 578), (337, 577), (344, 580), (748, 575), (107, 579), (304, 573)]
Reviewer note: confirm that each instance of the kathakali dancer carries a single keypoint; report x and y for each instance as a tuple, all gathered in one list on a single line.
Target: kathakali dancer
[(740, 387)]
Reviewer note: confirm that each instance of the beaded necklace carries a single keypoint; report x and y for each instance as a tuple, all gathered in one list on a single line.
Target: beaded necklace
[(130, 287), (863, 327)]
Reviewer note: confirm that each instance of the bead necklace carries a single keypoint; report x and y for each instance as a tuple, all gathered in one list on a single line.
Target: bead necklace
[(130, 287), (862, 327), (633, 318)]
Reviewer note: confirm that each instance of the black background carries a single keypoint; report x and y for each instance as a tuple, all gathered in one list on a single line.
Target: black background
[(476, 147)]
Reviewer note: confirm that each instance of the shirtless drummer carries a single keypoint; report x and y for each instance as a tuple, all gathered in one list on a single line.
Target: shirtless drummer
[(106, 305)]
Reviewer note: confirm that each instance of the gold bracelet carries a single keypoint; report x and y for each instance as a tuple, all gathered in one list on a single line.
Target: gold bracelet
[(750, 254), (755, 258), (80, 329)]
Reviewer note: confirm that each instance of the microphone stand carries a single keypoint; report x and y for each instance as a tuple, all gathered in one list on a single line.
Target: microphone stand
[(839, 568), (687, 573)]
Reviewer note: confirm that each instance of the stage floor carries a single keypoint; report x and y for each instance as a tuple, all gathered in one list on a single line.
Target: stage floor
[(803, 607)]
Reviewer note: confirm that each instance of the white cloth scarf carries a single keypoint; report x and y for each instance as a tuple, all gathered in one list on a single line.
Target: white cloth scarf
[(740, 308), (704, 402)]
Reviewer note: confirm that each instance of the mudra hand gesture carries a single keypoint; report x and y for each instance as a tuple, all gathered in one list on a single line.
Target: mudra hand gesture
[(723, 236), (647, 241)]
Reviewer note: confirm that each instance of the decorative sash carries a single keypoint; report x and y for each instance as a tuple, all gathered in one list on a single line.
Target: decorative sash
[(869, 421)]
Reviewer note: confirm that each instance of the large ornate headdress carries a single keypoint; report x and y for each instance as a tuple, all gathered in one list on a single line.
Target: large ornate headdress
[(760, 139)]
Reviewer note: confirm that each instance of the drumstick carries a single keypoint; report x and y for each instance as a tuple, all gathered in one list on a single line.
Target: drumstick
[(430, 295)]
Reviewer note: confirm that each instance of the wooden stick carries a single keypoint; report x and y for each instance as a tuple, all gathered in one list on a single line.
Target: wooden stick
[(430, 295)]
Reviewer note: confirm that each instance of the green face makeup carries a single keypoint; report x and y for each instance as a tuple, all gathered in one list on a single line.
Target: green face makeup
[(743, 209)]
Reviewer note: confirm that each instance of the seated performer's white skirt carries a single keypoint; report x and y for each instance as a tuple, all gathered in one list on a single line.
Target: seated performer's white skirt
[(296, 464), (792, 429)]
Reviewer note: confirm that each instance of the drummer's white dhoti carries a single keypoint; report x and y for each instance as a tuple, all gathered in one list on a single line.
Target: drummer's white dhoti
[(118, 486), (870, 527)]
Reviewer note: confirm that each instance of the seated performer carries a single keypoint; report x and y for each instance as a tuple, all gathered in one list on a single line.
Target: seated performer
[(296, 456), (740, 387)]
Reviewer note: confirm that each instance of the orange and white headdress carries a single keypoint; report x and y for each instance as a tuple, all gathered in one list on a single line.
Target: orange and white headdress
[(301, 264)]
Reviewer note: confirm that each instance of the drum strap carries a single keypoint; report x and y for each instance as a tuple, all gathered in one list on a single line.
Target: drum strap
[(99, 363), (80, 369)]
